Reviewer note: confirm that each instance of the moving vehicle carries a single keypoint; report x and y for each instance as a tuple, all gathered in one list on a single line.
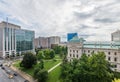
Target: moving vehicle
[(26, 81), (1, 65), (3, 68), (15, 74)]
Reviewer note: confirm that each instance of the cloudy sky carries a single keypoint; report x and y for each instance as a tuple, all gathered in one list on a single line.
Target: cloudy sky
[(93, 20)]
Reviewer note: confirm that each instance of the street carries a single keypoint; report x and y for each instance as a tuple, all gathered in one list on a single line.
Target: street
[(4, 76)]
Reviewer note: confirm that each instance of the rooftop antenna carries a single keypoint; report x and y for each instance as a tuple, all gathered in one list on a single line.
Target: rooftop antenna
[(7, 21), (7, 25)]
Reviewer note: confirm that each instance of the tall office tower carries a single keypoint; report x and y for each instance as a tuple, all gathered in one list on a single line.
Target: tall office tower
[(115, 36), (71, 35), (14, 40)]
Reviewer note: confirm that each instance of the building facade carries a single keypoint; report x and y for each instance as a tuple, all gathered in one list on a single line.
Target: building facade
[(53, 40), (111, 49), (13, 38), (41, 42), (71, 35), (46, 42), (115, 36)]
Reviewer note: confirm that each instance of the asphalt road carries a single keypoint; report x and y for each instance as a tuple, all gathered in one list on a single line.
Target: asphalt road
[(4, 76)]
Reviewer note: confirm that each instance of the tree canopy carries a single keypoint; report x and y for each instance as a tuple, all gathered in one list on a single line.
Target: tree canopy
[(46, 54), (28, 60), (88, 69)]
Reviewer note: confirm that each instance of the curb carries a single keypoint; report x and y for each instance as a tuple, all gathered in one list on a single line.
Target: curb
[(23, 74)]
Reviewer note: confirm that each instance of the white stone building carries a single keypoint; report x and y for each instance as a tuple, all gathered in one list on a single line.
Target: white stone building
[(111, 49)]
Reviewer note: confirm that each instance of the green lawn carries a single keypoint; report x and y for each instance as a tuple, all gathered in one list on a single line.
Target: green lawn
[(47, 65), (54, 76), (28, 71), (57, 56), (50, 63)]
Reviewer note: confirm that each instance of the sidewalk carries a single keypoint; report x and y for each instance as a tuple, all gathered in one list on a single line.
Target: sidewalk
[(24, 75), (54, 67)]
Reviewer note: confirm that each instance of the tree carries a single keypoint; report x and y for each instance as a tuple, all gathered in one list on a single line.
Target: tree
[(41, 75), (52, 54), (40, 55), (61, 50), (41, 64), (88, 69), (57, 49), (47, 53), (28, 60)]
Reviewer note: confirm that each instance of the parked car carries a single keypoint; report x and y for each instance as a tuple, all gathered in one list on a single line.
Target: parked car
[(3, 68), (1, 58), (26, 81), (15, 74), (1, 65)]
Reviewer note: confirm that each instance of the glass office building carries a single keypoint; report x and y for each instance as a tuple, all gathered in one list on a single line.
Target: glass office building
[(24, 40), (14, 40), (71, 35), (115, 36)]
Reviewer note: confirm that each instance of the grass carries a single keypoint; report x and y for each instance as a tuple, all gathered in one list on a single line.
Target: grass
[(54, 76), (28, 71), (50, 63), (47, 65), (57, 56)]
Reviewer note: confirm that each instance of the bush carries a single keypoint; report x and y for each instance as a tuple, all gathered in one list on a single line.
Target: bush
[(41, 75)]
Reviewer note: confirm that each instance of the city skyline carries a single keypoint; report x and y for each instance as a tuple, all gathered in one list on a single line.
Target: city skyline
[(93, 20)]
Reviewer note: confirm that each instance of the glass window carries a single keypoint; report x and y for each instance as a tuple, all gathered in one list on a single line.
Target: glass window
[(109, 58), (115, 53), (109, 53), (115, 66), (115, 59), (77, 55), (88, 51), (77, 51)]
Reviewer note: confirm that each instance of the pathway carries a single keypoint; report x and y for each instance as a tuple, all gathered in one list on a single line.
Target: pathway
[(54, 67)]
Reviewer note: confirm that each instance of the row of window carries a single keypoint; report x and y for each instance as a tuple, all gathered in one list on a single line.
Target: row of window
[(74, 51), (109, 58), (115, 59), (115, 53), (74, 55)]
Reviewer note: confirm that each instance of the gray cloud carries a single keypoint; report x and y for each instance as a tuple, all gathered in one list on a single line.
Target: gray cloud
[(93, 18), (82, 15), (105, 20)]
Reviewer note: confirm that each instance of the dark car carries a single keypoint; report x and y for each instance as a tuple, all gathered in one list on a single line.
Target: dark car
[(15, 74), (7, 72), (3, 68), (26, 81), (1, 58), (1, 65)]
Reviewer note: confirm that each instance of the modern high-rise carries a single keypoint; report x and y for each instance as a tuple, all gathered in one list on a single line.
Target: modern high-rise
[(71, 35), (115, 36), (14, 40)]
